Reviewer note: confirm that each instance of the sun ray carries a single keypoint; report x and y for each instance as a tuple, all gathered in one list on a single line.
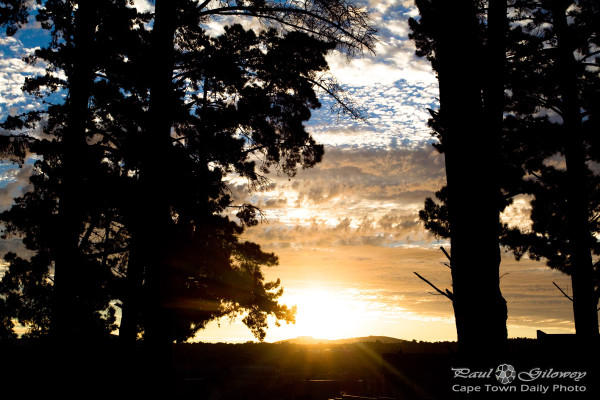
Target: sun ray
[(326, 314)]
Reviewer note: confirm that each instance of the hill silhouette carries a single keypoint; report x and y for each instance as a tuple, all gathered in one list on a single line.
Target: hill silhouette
[(363, 339)]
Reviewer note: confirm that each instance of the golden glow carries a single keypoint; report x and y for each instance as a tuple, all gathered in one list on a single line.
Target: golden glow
[(355, 291), (325, 314)]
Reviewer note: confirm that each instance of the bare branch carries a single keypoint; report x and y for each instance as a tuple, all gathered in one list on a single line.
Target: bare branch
[(446, 254), (592, 54), (333, 90), (562, 291), (204, 4), (447, 293), (350, 23)]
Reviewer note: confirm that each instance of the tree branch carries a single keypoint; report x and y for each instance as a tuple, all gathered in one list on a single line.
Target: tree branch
[(562, 291), (446, 254), (269, 13), (447, 293), (332, 92), (204, 4), (592, 54)]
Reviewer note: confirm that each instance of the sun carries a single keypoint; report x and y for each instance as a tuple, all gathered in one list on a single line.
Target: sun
[(325, 314)]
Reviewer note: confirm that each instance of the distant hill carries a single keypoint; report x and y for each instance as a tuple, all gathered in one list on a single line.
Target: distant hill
[(365, 339)]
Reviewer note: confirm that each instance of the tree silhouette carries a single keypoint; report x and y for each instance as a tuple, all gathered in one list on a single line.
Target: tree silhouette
[(575, 102), (548, 238), (584, 298), (70, 176), (473, 192), (267, 106), (164, 115), (536, 130)]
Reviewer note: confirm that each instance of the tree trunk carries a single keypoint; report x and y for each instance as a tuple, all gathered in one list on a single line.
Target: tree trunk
[(584, 297), (495, 62), (68, 316), (470, 145), (153, 222)]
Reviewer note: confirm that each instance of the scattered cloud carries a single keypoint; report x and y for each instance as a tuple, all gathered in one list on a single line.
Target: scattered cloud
[(14, 182), (393, 88), (351, 185), (13, 71)]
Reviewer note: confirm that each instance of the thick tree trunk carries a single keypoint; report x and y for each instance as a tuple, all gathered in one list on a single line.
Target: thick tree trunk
[(153, 221), (584, 297), (68, 309), (495, 68), (470, 145)]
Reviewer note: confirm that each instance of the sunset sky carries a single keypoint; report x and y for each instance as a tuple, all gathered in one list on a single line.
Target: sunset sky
[(347, 232)]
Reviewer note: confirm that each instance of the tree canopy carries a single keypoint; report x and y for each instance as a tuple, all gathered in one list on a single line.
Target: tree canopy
[(113, 194), (548, 146)]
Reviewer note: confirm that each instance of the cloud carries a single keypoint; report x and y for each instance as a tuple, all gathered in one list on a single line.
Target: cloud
[(354, 197), (14, 182), (394, 57), (350, 225), (396, 116), (393, 88), (13, 71), (12, 245), (518, 214), (143, 5), (360, 174)]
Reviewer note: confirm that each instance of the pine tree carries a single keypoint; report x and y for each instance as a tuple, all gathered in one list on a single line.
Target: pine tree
[(158, 251), (565, 33), (461, 41), (535, 132), (59, 216), (269, 109)]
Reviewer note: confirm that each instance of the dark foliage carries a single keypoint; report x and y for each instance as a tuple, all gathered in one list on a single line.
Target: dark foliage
[(544, 125), (237, 104)]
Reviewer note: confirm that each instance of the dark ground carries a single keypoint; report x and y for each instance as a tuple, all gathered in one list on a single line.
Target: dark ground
[(287, 371)]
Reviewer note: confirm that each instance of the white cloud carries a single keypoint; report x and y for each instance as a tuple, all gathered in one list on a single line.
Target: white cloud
[(13, 71), (396, 116), (362, 71), (143, 5), (393, 87)]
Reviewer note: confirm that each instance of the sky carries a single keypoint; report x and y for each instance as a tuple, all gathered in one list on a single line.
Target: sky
[(347, 232)]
